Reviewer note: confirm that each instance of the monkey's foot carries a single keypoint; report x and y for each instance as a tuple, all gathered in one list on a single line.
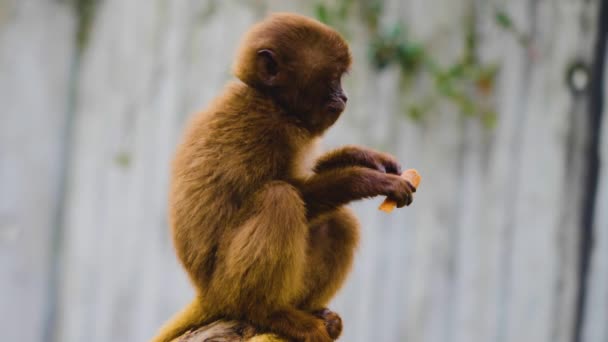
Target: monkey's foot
[(333, 322)]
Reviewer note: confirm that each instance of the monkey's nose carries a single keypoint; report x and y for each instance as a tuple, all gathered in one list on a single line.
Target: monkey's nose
[(343, 97)]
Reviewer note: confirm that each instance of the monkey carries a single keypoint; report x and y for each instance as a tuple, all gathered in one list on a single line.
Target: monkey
[(260, 226)]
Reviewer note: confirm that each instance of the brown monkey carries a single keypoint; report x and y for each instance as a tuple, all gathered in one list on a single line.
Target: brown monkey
[(263, 235)]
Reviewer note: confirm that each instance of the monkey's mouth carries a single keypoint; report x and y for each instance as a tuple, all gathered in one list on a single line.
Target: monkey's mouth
[(336, 106)]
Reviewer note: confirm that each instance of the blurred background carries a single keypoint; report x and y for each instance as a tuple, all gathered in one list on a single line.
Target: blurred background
[(498, 103)]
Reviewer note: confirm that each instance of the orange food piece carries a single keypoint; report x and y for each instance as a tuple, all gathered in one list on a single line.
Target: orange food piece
[(412, 176)]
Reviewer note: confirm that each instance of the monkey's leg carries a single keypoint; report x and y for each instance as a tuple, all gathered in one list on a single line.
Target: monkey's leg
[(333, 241), (332, 245), (332, 321), (298, 325), (188, 318), (262, 275)]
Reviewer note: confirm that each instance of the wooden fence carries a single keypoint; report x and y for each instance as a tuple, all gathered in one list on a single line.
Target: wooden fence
[(507, 239)]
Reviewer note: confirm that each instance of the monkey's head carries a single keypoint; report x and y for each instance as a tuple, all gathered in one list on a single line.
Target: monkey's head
[(299, 63)]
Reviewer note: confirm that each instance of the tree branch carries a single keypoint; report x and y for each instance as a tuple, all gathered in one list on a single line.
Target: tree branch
[(227, 331)]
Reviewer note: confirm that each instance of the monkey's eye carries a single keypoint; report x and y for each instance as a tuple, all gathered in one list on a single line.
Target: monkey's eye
[(339, 76)]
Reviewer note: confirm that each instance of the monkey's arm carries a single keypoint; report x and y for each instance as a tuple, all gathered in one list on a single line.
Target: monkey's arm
[(352, 155), (331, 189)]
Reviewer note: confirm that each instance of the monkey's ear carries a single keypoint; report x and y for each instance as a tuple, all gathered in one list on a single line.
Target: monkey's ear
[(268, 68)]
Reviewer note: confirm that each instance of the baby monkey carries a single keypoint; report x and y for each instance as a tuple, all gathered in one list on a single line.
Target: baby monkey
[(263, 233)]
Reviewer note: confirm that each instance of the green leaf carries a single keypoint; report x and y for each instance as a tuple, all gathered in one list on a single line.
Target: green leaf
[(488, 71), (445, 86), (322, 13), (413, 50), (457, 70), (467, 106), (123, 159), (415, 113), (373, 7), (503, 19), (345, 6), (396, 33), (489, 119)]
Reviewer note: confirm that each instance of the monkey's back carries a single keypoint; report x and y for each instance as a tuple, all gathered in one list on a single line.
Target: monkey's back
[(228, 152)]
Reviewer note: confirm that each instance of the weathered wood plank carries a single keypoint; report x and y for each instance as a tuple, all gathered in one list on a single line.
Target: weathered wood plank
[(487, 252), (541, 276), (35, 56), (595, 327)]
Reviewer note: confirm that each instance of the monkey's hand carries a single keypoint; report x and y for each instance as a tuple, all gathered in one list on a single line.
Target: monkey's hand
[(358, 156), (331, 189)]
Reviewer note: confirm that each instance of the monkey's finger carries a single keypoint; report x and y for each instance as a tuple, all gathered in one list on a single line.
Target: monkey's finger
[(409, 199), (411, 186), (381, 168), (392, 166), (394, 169), (400, 200)]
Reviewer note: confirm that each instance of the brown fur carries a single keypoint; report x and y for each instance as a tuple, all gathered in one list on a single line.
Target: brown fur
[(264, 238)]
